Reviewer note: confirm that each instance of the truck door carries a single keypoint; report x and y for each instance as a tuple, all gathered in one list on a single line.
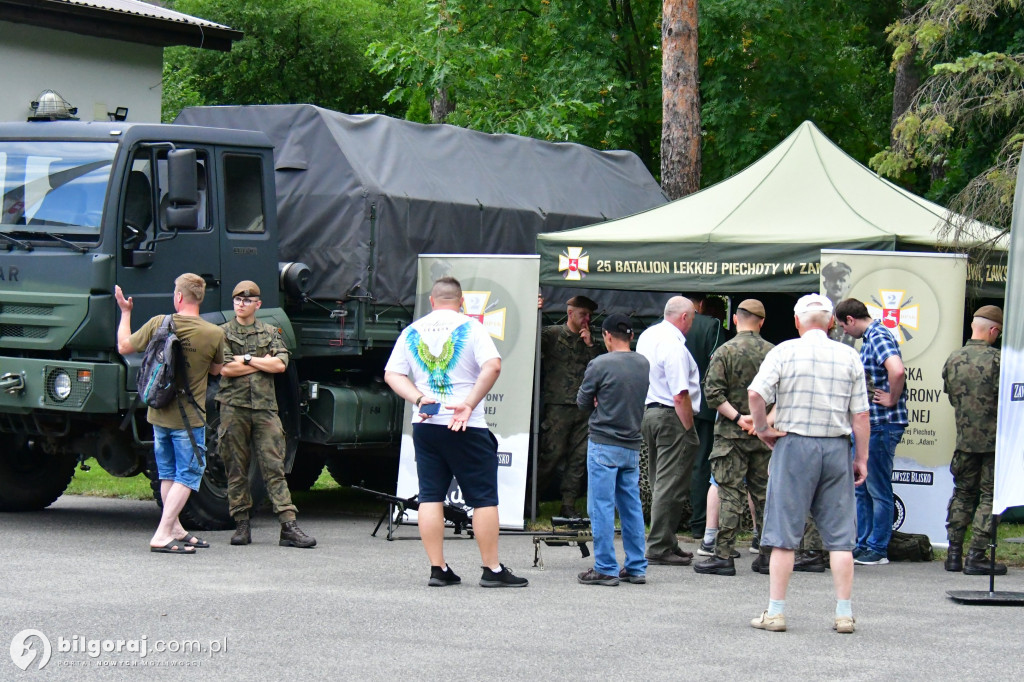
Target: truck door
[(249, 239), (151, 255)]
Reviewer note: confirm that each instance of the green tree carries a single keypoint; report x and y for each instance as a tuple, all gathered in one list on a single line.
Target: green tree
[(768, 65), (553, 69), (961, 136), (294, 51)]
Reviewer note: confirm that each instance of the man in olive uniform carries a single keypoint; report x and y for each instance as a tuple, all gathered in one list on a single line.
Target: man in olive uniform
[(705, 336), (565, 351), (971, 380), (737, 455), (253, 354)]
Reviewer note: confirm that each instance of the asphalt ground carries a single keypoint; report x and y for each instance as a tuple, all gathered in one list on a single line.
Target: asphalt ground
[(358, 607)]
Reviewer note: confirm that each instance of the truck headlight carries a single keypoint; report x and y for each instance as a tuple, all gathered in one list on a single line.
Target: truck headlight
[(60, 385)]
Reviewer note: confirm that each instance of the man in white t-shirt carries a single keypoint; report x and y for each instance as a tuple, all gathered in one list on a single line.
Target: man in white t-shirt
[(445, 363)]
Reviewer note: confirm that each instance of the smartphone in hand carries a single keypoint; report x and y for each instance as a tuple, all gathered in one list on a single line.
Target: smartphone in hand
[(430, 408)]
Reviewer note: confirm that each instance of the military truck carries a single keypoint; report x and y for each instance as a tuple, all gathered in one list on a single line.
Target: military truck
[(325, 211)]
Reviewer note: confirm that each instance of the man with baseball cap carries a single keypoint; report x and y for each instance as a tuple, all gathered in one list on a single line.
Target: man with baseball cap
[(565, 351), (613, 391), (253, 354), (970, 379), (887, 383), (737, 455), (820, 398)]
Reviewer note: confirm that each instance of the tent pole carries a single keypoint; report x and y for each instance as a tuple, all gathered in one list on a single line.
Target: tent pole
[(535, 435)]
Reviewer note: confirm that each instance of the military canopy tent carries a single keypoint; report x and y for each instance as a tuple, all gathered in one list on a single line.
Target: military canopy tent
[(761, 230), (360, 196)]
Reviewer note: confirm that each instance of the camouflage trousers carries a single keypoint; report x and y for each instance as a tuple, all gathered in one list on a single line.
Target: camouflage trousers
[(243, 432), (563, 445), (973, 485), (739, 465)]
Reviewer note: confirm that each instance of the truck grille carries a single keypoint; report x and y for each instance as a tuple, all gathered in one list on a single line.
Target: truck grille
[(21, 309), (23, 331)]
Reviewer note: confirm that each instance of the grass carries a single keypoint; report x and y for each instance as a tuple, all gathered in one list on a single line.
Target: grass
[(327, 496)]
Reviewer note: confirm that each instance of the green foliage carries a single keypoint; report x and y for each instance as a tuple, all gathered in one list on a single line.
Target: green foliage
[(964, 129), (555, 70), (294, 51), (767, 67)]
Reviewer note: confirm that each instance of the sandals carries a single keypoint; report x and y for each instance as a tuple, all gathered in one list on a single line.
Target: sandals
[(173, 547), (193, 541)]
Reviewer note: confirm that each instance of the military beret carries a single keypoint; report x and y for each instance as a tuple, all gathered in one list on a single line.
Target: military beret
[(582, 302), (246, 288), (752, 306), (990, 312)]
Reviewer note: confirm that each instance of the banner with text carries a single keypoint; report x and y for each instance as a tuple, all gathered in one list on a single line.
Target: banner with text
[(500, 292), (919, 297), (630, 264), (1009, 491)]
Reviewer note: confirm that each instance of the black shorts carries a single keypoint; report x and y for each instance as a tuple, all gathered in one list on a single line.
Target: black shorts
[(471, 456)]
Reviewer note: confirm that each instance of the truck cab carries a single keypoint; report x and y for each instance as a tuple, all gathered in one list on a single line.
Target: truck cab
[(87, 206)]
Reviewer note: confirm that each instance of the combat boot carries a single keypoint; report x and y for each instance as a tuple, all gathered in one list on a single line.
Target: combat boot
[(811, 561), (292, 536), (955, 558), (242, 536), (978, 563)]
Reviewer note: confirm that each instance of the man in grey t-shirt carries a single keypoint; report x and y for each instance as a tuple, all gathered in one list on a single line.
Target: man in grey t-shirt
[(614, 387)]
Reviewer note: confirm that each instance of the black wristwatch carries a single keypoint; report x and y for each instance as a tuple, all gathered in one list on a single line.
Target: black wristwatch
[(246, 359), (736, 419)]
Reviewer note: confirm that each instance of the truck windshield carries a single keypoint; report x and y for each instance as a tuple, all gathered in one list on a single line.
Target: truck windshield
[(54, 188)]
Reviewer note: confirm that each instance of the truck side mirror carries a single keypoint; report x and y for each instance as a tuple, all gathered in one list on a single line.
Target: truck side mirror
[(182, 212)]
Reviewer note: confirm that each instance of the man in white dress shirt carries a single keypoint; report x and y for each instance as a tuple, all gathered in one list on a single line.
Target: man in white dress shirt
[(672, 399)]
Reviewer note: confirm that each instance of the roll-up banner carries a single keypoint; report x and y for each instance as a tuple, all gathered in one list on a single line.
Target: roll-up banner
[(1009, 490), (919, 297), (500, 292)]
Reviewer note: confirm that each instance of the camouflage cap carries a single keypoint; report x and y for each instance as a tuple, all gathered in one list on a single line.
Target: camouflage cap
[(582, 302), (990, 312), (752, 306), (246, 288)]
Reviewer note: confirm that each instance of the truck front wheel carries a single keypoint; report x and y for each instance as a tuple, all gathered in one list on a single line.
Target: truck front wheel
[(30, 478)]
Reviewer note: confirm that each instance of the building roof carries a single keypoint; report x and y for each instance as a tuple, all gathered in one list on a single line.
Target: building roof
[(128, 20)]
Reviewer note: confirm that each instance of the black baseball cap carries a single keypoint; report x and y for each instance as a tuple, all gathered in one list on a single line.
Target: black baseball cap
[(617, 322)]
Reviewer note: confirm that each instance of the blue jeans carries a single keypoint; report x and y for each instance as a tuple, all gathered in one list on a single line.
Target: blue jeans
[(614, 482), (874, 497)]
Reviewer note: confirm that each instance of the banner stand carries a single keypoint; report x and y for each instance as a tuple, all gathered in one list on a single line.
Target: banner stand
[(990, 598)]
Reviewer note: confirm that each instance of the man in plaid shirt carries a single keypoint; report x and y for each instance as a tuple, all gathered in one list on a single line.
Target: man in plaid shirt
[(887, 391)]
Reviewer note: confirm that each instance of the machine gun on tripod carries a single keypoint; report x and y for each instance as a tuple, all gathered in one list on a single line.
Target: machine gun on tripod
[(395, 513), (565, 532)]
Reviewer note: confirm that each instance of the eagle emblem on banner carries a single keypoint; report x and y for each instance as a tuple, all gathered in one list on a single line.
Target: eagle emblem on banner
[(894, 310), (574, 263), (477, 304)]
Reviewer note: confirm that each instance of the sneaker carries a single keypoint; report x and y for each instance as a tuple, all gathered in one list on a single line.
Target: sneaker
[(442, 577), (592, 577), (631, 578), (870, 557), (755, 545), (775, 623), (844, 624), (502, 578), (705, 549)]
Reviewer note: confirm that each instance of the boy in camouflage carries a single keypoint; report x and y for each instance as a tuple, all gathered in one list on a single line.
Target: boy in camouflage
[(971, 379), (253, 354)]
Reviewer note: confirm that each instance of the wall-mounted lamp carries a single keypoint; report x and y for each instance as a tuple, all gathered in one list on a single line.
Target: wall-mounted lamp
[(50, 106), (118, 114)]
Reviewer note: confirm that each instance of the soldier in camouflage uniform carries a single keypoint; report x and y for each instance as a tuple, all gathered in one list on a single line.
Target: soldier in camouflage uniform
[(739, 460), (565, 351), (971, 380), (253, 354)]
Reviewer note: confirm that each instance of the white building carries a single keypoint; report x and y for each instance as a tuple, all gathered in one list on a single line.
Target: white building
[(99, 55)]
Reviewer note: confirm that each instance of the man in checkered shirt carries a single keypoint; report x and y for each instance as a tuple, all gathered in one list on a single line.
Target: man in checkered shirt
[(820, 398), (887, 391)]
